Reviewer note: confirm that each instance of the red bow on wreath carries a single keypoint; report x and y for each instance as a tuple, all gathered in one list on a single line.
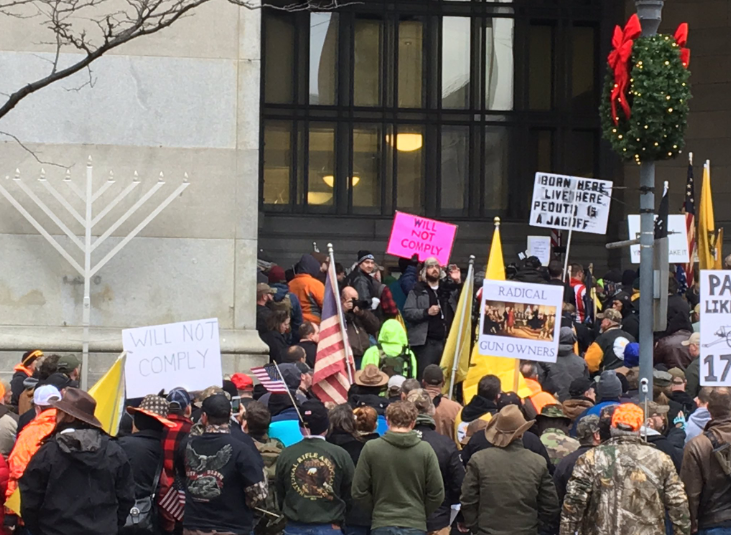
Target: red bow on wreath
[(681, 37), (618, 62)]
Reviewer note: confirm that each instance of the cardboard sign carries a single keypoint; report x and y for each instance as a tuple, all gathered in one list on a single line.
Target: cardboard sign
[(540, 247), (186, 354), (412, 235), (520, 320), (715, 350), (569, 202), (677, 238)]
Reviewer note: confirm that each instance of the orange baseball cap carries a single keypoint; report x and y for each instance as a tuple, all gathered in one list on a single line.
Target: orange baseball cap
[(628, 416)]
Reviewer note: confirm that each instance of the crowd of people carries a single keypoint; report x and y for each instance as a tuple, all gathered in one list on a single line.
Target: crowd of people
[(403, 455)]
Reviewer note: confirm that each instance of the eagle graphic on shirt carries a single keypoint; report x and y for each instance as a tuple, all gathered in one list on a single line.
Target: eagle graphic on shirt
[(205, 481)]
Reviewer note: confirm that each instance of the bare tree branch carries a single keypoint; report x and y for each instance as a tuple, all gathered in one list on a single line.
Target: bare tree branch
[(29, 151)]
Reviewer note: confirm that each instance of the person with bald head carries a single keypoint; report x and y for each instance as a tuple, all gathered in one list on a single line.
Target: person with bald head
[(360, 321)]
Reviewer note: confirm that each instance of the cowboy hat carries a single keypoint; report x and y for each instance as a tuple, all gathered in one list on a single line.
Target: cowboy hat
[(371, 376), (78, 404), (508, 426), (155, 407)]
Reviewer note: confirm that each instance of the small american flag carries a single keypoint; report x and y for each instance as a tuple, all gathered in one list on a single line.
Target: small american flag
[(556, 242), (330, 381), (173, 503), (269, 377), (689, 211)]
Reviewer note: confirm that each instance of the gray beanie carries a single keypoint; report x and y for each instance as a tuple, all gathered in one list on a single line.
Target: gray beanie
[(609, 387)]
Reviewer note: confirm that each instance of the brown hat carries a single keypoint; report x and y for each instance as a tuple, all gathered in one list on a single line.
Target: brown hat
[(263, 288), (371, 376), (611, 314), (78, 404), (508, 426), (155, 407)]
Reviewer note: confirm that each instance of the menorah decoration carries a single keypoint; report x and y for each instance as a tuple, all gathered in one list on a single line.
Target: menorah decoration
[(86, 244)]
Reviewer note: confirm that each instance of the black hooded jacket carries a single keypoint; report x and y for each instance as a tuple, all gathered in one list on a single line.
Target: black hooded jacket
[(477, 407), (144, 451), (78, 483)]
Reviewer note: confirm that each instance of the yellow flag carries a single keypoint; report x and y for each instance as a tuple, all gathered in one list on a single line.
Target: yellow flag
[(13, 503), (109, 395), (462, 329), (506, 369), (706, 223)]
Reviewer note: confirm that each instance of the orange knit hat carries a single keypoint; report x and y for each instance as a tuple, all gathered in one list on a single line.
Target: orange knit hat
[(629, 416)]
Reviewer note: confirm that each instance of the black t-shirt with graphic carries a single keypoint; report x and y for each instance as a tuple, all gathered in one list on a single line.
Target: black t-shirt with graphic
[(313, 480), (218, 469)]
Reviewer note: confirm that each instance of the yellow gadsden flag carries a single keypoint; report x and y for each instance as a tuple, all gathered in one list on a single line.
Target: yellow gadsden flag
[(506, 369), (709, 254), (461, 330), (109, 395)]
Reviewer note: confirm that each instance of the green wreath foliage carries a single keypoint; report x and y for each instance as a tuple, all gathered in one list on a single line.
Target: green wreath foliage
[(658, 94)]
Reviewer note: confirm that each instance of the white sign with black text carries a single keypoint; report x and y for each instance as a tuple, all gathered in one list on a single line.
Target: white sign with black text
[(571, 203), (715, 350), (540, 247), (520, 320), (677, 238), (185, 354)]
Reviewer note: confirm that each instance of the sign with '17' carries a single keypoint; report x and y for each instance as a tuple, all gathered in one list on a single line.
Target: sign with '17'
[(715, 346), (185, 354)]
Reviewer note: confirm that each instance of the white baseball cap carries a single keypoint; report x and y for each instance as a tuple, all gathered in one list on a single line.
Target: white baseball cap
[(396, 381), (44, 395)]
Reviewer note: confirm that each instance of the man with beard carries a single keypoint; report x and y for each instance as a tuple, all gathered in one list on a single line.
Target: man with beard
[(429, 311)]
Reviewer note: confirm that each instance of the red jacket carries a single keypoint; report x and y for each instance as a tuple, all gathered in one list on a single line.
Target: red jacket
[(579, 292), (4, 476)]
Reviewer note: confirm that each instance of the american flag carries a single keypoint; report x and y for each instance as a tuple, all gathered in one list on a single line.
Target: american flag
[(682, 281), (269, 377), (556, 242), (330, 381), (173, 502), (689, 211)]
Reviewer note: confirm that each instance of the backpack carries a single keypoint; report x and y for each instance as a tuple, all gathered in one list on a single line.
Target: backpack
[(721, 451), (143, 514), (398, 365)]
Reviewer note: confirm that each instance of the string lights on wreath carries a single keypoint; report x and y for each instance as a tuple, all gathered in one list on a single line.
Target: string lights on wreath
[(644, 107)]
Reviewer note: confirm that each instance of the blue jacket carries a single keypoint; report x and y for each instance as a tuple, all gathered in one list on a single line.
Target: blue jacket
[(296, 314), (407, 281), (595, 410)]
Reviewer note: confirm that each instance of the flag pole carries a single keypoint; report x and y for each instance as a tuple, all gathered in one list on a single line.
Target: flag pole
[(339, 305), (294, 401), (457, 350)]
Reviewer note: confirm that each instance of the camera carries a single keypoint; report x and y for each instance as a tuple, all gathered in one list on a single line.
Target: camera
[(361, 304)]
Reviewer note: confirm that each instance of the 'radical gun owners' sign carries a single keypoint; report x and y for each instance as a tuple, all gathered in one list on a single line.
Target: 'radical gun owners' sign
[(571, 203)]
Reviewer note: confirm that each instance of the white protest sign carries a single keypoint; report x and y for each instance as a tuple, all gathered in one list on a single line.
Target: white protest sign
[(677, 238), (715, 350), (540, 247), (186, 354), (520, 320), (571, 203)]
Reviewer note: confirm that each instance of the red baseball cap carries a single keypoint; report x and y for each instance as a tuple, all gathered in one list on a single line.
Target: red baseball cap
[(242, 381)]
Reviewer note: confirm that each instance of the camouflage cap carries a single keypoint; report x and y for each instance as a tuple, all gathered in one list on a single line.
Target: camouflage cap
[(586, 427), (553, 411), (654, 408)]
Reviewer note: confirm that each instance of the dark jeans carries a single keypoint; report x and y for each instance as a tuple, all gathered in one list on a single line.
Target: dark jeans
[(356, 530), (296, 528), (715, 531), (429, 353), (397, 531)]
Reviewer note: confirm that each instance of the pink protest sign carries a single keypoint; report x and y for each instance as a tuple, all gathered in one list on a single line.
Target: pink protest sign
[(412, 235)]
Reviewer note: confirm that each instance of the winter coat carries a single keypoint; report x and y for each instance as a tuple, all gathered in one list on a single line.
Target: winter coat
[(29, 441), (509, 491), (706, 483), (670, 352), (559, 374), (573, 408), (678, 315), (79, 483), (417, 305), (478, 408), (392, 340), (692, 376), (366, 286), (310, 352), (539, 397), (358, 515), (308, 289), (4, 475), (531, 275), (446, 411), (607, 351), (450, 466), (144, 451), (631, 325), (662, 443), (8, 430), (296, 309), (531, 442), (21, 373), (277, 344), (408, 279), (360, 328), (558, 444), (564, 469), (398, 478), (568, 293), (696, 423), (624, 487), (682, 399)]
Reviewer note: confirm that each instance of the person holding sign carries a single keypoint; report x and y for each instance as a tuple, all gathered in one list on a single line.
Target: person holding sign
[(429, 311)]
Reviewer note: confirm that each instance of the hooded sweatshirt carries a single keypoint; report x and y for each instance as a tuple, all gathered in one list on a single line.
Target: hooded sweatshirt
[(393, 342), (78, 483), (697, 423), (398, 477), (309, 291)]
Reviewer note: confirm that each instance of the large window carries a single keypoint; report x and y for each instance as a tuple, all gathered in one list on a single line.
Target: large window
[(437, 107)]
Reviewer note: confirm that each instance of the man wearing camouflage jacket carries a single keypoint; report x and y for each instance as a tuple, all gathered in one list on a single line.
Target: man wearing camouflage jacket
[(624, 486)]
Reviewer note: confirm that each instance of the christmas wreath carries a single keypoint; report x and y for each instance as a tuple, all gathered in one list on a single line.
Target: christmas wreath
[(644, 107)]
